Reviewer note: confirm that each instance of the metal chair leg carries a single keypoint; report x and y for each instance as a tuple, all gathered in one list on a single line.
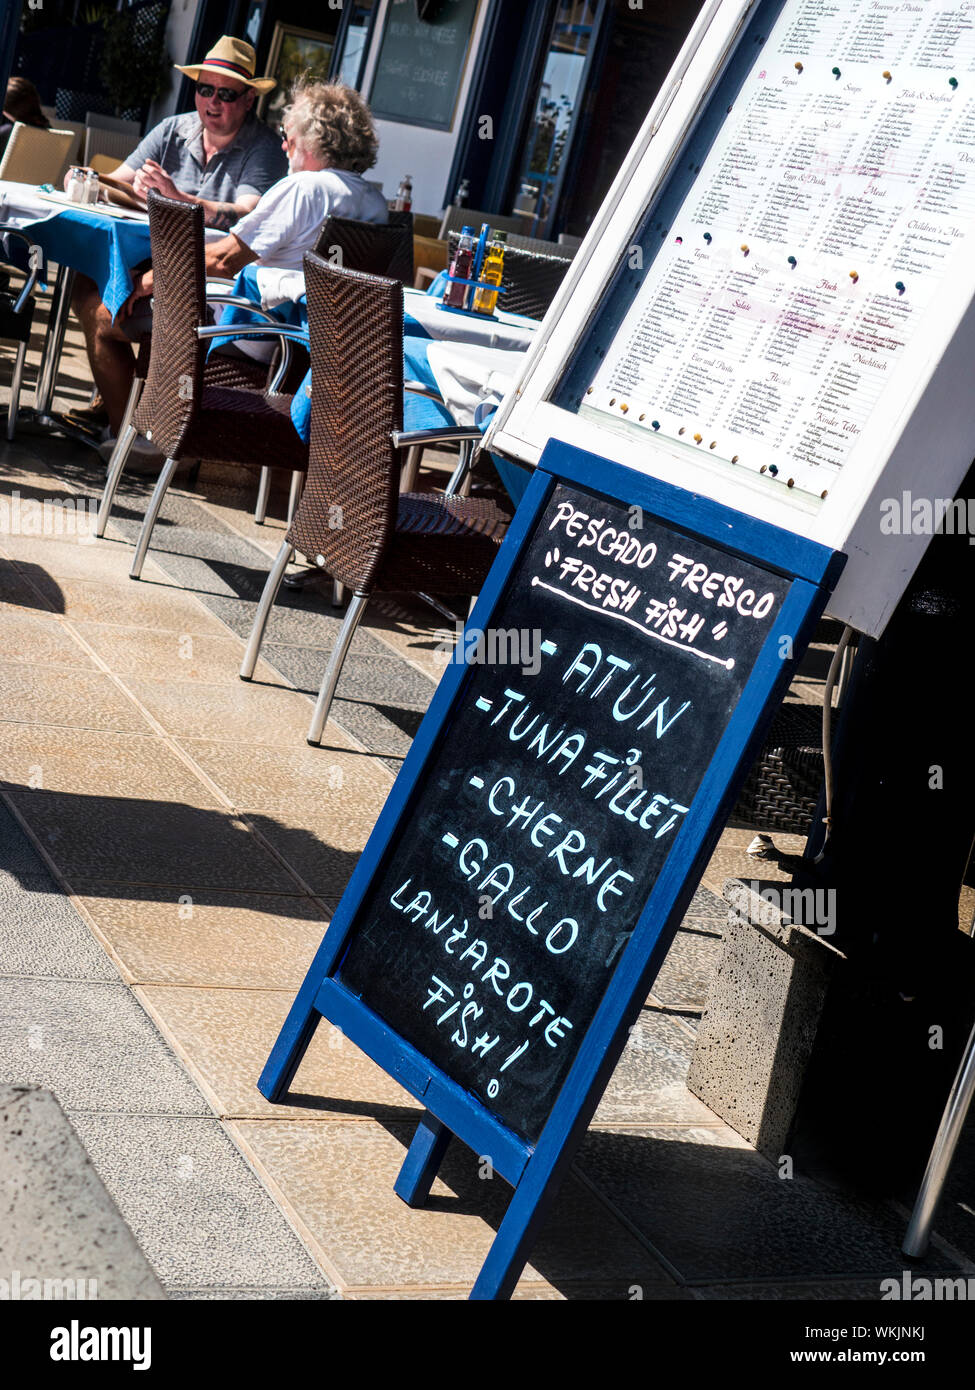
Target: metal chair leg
[(297, 486), (338, 594), (53, 342), (460, 479), (17, 378), (354, 612), (115, 465), (135, 395), (264, 487), (149, 520), (943, 1151), (281, 562)]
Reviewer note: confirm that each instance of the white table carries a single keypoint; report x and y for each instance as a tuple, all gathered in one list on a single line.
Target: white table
[(506, 331), (82, 238), (20, 203), (468, 374)]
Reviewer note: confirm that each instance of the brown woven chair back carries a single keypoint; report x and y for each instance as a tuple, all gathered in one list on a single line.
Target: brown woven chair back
[(372, 247), (530, 281), (174, 384), (348, 508)]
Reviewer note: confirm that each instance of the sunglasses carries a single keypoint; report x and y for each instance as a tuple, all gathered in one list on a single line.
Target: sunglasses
[(206, 90)]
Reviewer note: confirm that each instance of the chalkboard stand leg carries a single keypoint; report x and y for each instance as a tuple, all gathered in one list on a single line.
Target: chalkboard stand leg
[(286, 1055), (423, 1158)]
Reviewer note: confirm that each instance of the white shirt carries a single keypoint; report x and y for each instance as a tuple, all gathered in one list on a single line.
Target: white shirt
[(286, 222)]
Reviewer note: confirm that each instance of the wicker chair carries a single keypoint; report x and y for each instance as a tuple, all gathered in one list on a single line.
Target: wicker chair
[(285, 374), (530, 282), (33, 155), (17, 316), (782, 790), (179, 411), (352, 518), (375, 248)]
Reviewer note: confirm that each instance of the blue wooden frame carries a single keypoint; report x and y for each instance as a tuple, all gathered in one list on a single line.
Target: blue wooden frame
[(535, 1170)]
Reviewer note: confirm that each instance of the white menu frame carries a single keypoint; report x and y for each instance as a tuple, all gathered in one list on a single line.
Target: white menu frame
[(923, 446)]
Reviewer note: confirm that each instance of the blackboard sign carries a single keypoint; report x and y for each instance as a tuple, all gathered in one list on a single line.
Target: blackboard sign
[(534, 859), (610, 672), (421, 63)]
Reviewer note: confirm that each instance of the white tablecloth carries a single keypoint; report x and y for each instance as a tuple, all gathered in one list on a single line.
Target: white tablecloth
[(506, 331), (467, 374), (21, 203)]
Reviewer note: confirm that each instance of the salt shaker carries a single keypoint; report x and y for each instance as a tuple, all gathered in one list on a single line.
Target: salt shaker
[(74, 183)]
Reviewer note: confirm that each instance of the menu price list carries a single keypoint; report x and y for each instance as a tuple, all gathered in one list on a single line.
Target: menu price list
[(800, 264)]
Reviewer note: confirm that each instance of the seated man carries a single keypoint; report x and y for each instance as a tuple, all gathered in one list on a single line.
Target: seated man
[(331, 142), (219, 156)]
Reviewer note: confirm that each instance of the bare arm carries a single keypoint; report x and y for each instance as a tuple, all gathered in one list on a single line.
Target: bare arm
[(222, 259), (153, 175), (222, 214), (226, 257)]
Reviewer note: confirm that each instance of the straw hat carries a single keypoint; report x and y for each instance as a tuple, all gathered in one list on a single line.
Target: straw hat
[(230, 58)]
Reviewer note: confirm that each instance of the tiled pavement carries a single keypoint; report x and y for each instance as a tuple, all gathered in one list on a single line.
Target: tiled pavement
[(170, 851)]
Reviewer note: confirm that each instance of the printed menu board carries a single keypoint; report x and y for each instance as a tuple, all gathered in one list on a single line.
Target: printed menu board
[(800, 264)]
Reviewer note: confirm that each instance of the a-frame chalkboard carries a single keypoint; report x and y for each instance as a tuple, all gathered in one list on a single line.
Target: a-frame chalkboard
[(536, 855)]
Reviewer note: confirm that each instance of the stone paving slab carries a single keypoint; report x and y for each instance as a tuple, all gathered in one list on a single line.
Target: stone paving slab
[(97, 764), (716, 1210), (141, 841), (293, 621), (145, 604), (342, 782), (36, 639), (17, 854), (224, 1037), (337, 1182), (207, 940), (304, 839), (238, 713), (92, 1045), (57, 1221), (42, 934), (647, 1086), (366, 677), (55, 695), (202, 1219), (82, 559), (167, 656), (685, 975), (28, 589)]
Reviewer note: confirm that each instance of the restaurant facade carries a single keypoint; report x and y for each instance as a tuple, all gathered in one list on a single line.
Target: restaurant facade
[(534, 106)]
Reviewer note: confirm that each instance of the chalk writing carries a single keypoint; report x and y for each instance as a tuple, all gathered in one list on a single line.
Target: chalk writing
[(545, 815)]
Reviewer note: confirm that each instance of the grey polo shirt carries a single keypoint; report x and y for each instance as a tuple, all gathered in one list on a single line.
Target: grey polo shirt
[(251, 164)]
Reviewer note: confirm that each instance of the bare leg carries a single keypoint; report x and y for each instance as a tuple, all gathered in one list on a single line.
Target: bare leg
[(109, 350)]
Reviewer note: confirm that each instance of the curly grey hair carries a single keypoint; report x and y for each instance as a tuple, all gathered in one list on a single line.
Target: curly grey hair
[(332, 122)]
